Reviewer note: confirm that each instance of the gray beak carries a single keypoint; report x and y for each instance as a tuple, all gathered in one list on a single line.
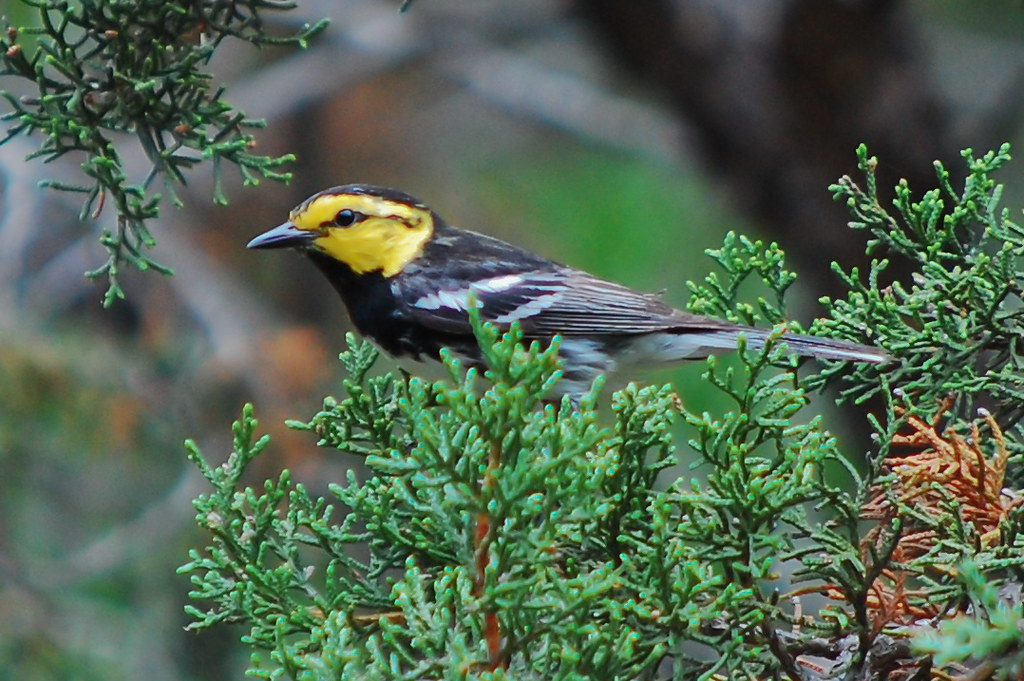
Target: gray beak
[(285, 235)]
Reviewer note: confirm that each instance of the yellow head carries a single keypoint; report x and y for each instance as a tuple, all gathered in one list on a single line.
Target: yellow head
[(367, 228)]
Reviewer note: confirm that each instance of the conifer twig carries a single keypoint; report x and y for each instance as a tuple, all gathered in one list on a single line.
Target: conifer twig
[(485, 529)]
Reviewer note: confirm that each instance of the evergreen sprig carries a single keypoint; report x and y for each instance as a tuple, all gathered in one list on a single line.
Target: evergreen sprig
[(494, 533), (952, 439), (743, 261), (992, 636), (958, 327), (103, 68), (421, 511)]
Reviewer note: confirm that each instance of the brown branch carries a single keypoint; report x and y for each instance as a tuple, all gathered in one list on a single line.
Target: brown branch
[(483, 539)]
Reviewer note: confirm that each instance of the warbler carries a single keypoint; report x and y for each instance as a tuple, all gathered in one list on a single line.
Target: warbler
[(408, 279)]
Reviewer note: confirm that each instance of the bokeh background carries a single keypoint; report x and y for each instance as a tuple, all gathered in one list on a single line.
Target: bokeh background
[(624, 137)]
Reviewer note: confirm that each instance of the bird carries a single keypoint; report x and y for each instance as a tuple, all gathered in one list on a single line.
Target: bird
[(408, 280)]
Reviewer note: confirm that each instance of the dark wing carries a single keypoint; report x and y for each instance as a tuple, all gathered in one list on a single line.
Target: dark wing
[(511, 285), (545, 298)]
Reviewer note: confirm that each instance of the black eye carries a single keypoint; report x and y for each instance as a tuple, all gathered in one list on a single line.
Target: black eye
[(346, 217)]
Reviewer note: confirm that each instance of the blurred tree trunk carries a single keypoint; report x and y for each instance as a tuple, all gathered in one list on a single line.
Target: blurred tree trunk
[(778, 93)]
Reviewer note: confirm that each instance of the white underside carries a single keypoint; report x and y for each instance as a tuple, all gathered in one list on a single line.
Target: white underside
[(589, 358), (650, 351)]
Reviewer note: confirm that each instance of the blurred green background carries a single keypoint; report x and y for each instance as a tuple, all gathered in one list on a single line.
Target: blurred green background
[(620, 137)]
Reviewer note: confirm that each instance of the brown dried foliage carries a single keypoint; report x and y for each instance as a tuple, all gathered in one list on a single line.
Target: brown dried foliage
[(938, 479)]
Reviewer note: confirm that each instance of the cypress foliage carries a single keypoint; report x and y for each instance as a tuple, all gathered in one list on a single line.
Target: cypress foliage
[(102, 71)]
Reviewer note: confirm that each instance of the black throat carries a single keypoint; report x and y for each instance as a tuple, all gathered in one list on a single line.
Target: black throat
[(377, 315), (367, 296)]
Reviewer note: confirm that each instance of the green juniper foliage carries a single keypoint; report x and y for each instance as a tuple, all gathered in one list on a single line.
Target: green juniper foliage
[(958, 328), (589, 569), (743, 261), (956, 331), (100, 68), (993, 636), (484, 533)]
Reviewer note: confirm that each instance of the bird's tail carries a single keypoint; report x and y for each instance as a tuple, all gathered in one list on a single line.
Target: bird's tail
[(812, 346)]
